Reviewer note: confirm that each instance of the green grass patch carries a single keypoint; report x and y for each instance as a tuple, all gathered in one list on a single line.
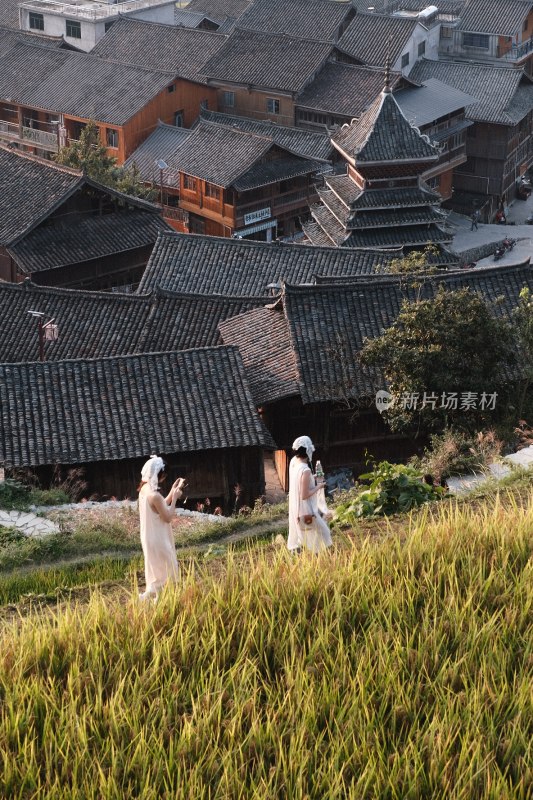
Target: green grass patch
[(398, 668)]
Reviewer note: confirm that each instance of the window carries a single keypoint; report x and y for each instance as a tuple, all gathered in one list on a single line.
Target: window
[(178, 119), (446, 33), (108, 25), (526, 21), (229, 99), (36, 21), (212, 191), (204, 104), (189, 183), (272, 106), (476, 40), (171, 88), (421, 48), (405, 60), (111, 137), (73, 29)]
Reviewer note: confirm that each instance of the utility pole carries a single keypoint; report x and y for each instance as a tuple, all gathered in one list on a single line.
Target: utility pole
[(46, 331)]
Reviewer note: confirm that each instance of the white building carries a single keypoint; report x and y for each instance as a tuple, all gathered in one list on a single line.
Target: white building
[(82, 23)]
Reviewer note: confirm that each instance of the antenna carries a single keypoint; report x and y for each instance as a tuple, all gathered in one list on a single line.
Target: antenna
[(387, 87)]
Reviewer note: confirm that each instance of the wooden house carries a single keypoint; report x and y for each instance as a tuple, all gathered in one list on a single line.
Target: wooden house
[(106, 416), (301, 357), (48, 95), (499, 143), (63, 229)]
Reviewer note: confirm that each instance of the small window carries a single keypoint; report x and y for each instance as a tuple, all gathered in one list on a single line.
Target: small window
[(229, 99), (421, 48), (212, 191), (109, 25), (526, 22), (272, 106), (179, 119), (204, 104), (446, 33), (36, 21), (476, 40), (405, 60), (171, 88), (112, 137), (189, 183), (73, 29)]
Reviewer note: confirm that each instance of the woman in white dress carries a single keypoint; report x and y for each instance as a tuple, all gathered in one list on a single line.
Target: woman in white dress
[(156, 513), (303, 502)]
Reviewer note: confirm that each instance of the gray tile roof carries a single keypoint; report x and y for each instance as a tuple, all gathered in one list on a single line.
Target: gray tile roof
[(344, 90), (208, 265), (306, 19), (29, 190), (383, 134), (73, 412), (309, 144), (10, 37), (101, 324), (219, 9), (367, 37), (424, 104), (77, 84), (386, 218), (402, 197), (163, 143), (48, 247), (9, 13), (190, 19), (229, 157), (183, 51), (501, 17), (504, 96), (338, 318), (267, 60)]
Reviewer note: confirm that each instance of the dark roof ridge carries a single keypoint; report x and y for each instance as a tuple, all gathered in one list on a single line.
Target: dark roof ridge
[(281, 35), (121, 356), (160, 291), (476, 65), (27, 285), (39, 160), (129, 19)]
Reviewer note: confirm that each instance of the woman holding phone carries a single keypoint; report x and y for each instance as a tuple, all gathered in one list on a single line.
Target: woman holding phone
[(156, 513)]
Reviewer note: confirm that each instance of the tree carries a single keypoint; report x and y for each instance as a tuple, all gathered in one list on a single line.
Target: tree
[(443, 358), (91, 157), (415, 262), (523, 319)]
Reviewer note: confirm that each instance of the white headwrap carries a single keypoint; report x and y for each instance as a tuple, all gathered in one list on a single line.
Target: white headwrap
[(150, 472), (304, 441)]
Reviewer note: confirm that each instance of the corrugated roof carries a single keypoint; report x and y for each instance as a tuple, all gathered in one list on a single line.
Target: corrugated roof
[(72, 412), (267, 60), (496, 88), (163, 143)]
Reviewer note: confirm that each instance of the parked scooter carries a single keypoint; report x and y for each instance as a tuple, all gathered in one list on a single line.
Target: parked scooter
[(499, 252), (506, 245)]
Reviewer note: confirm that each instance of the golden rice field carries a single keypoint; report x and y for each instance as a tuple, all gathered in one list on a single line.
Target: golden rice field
[(388, 669)]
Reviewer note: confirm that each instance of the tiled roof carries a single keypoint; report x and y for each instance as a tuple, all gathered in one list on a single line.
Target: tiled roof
[(422, 105), (211, 265), (190, 19), (100, 324), (501, 17), (307, 19), (383, 134), (262, 337), (308, 144), (401, 197), (219, 9), (229, 157), (496, 88), (48, 247), (169, 48), (266, 60), (163, 143), (29, 190), (77, 83), (344, 90), (73, 412), (385, 218), (338, 318), (367, 37), (10, 37)]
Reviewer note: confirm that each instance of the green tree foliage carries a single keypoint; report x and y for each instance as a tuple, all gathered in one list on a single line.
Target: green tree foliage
[(523, 320), (451, 343), (416, 261), (90, 156)]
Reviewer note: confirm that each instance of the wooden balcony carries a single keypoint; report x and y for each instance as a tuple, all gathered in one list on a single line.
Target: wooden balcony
[(36, 137), (278, 204)]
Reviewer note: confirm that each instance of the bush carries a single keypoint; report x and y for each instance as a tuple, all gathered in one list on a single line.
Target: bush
[(393, 488), (455, 453), (14, 495)]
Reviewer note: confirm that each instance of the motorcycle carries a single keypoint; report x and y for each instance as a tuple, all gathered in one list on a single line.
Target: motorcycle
[(499, 253), (507, 244)]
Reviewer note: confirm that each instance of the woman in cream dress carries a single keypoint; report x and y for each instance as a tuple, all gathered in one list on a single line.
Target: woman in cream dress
[(156, 513), (303, 501)]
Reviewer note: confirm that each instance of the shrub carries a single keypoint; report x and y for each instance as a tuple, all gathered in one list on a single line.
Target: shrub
[(393, 488), (455, 453), (14, 495)]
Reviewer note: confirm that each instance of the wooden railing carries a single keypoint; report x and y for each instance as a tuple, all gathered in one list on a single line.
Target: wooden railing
[(42, 139)]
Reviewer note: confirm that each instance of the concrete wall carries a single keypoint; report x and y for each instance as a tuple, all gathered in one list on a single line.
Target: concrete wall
[(420, 34)]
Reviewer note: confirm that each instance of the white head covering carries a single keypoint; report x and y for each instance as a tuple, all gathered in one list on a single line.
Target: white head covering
[(150, 472), (304, 441)]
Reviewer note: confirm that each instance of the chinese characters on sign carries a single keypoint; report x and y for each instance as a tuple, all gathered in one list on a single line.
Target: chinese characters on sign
[(257, 216), (450, 401)]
